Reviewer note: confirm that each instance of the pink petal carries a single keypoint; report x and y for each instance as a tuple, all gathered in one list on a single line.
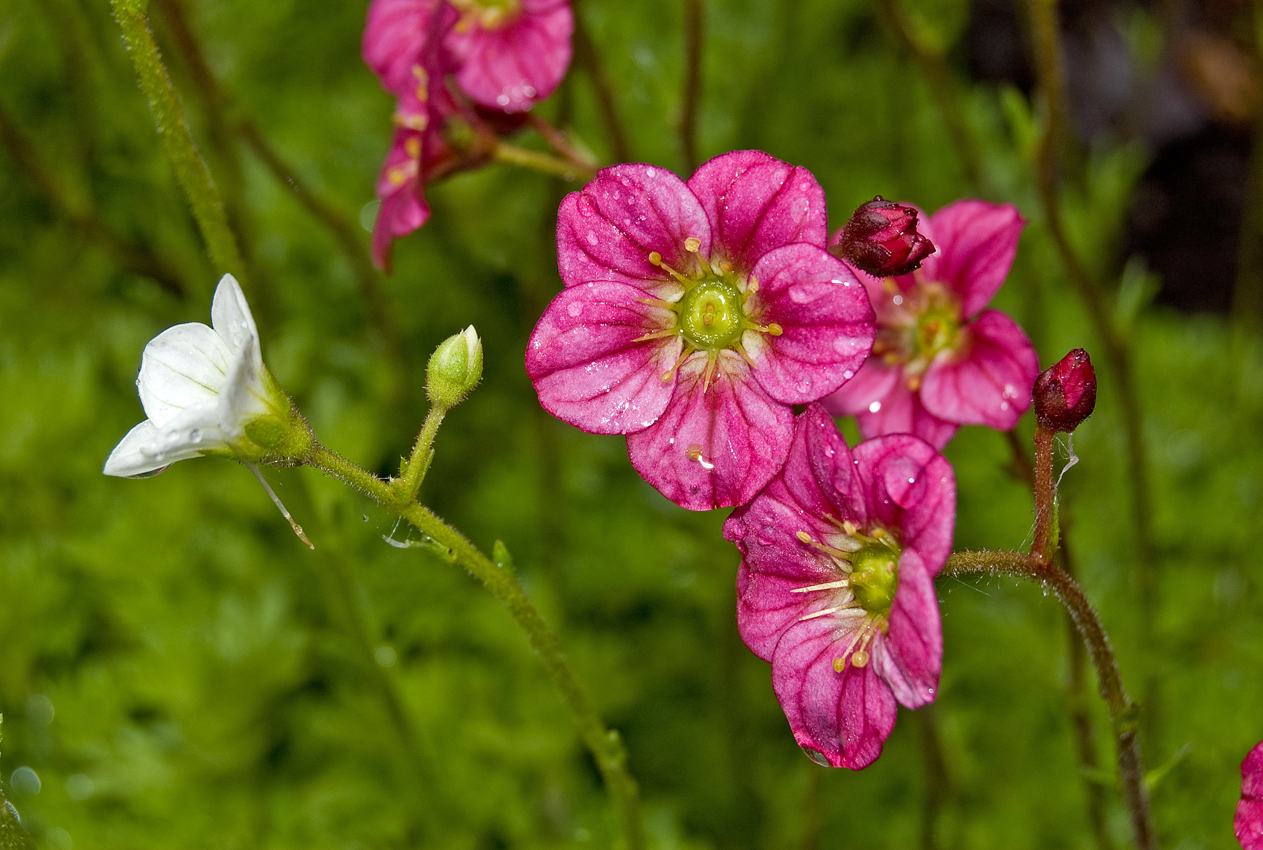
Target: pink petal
[(1252, 773), (910, 489), (766, 605), (757, 203), (821, 474), (512, 67), (844, 717), (910, 655), (988, 380), (977, 242), (607, 230), (826, 323), (879, 399), (393, 38), (403, 207), (587, 365), (1248, 824), (717, 448)]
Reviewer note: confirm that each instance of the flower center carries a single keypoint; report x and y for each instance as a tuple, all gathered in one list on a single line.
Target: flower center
[(874, 577), (936, 330), (486, 14), (711, 315)]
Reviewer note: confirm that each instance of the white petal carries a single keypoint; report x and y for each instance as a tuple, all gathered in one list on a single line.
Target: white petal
[(231, 318), (244, 395), (129, 458), (182, 367)]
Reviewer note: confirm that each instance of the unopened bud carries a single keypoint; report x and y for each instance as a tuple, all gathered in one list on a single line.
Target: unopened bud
[(455, 369), (1065, 394), (882, 239)]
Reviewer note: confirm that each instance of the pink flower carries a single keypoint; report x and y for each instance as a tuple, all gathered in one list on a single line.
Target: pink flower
[(505, 55), (941, 360), (1249, 822), (694, 316), (836, 587)]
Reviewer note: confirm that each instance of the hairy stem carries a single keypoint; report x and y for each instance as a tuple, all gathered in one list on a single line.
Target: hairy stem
[(1123, 712), (605, 744), (1047, 39), (177, 140), (422, 453), (542, 162)]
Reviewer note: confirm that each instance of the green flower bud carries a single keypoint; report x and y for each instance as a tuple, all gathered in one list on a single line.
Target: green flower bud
[(455, 369)]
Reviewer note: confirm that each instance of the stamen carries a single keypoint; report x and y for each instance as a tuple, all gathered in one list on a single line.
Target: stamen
[(839, 663), (826, 611), (828, 585), (711, 358), (860, 657), (656, 259), (413, 146), (657, 335), (741, 349), (774, 329), (724, 267), (669, 375), (849, 527), (914, 383), (657, 302), (842, 555), (694, 246)]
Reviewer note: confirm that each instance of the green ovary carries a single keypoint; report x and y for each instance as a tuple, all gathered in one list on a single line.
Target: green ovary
[(874, 577), (711, 315), (936, 330)]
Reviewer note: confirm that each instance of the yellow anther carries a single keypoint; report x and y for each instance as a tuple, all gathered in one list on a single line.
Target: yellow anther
[(413, 146), (914, 383), (724, 267), (859, 659), (692, 244), (879, 533), (397, 176), (655, 258), (849, 527), (839, 664), (775, 329), (805, 537)]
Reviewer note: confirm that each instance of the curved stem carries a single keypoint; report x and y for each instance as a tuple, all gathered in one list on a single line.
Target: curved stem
[(1123, 712), (542, 162), (498, 577), (1047, 40), (177, 140), (586, 57)]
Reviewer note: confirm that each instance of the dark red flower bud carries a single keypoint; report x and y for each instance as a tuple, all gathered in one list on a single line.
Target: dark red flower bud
[(881, 238), (1065, 395)]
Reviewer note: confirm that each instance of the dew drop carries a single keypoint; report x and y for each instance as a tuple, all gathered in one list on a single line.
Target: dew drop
[(592, 238), (848, 374), (574, 309), (502, 100), (898, 299), (1004, 405), (874, 407), (816, 756)]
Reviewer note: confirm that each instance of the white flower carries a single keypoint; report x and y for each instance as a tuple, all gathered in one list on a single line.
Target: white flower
[(205, 391)]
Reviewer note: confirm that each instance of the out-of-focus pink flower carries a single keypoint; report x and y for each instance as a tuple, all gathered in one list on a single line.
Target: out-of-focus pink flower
[(694, 316), (511, 53), (882, 239), (836, 586), (1065, 393), (941, 360), (1249, 821)]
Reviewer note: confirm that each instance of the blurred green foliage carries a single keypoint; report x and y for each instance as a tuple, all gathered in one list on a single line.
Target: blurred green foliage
[(177, 670)]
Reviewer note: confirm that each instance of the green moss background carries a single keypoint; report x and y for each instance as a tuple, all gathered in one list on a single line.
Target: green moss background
[(178, 671)]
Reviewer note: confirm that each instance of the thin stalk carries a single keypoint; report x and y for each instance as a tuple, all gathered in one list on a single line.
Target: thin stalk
[(418, 463), (586, 57), (605, 744), (542, 162), (938, 787), (1123, 712), (177, 140), (1047, 39), (693, 35), (1045, 493), (938, 76), (1247, 293), (558, 141), (84, 217)]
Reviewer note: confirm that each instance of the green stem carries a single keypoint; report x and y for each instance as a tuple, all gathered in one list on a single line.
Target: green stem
[(1123, 712), (693, 23), (177, 140), (542, 162), (418, 464), (605, 744), (586, 57), (1047, 40)]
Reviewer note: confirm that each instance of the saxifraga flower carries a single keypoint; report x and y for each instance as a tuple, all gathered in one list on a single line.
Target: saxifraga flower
[(206, 391), (694, 316), (1249, 820), (836, 586), (940, 360)]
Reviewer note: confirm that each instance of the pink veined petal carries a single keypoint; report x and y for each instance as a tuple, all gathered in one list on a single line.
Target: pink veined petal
[(988, 380), (898, 411), (403, 207), (1252, 773), (844, 718), (976, 243), (910, 655), (394, 39), (607, 230), (714, 448), (911, 490), (757, 203), (587, 365), (821, 467), (512, 67), (826, 323), (766, 603)]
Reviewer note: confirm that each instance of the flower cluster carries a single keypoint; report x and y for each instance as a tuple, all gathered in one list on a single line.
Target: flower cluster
[(941, 360), (463, 71), (695, 315)]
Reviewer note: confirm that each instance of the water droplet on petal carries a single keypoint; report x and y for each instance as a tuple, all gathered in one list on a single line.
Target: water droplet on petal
[(592, 238), (195, 436), (574, 309), (502, 100), (816, 756), (874, 407), (848, 374)]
